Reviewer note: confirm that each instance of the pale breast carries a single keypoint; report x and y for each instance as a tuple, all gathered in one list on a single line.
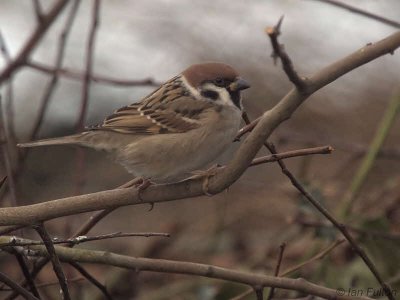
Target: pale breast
[(172, 157)]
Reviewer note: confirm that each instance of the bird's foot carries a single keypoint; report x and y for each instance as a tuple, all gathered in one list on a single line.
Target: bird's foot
[(141, 185), (207, 174)]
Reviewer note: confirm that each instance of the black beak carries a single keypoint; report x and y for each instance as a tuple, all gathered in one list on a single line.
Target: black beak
[(238, 85)]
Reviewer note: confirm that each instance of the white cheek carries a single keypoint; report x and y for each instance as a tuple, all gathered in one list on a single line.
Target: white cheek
[(224, 97)]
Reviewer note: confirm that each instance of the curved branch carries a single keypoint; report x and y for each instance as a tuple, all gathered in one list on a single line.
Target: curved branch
[(191, 188)]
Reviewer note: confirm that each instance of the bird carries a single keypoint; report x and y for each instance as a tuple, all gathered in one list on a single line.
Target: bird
[(178, 129)]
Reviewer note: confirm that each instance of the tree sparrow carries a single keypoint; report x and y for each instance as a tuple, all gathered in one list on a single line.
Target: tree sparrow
[(181, 127)]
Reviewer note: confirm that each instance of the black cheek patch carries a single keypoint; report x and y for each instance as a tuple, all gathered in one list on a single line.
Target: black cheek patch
[(213, 95)]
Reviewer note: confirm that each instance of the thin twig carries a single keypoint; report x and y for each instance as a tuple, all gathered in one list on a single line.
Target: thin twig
[(277, 268), (16, 241), (77, 75), (80, 124), (2, 181), (293, 153), (89, 65), (51, 252), (91, 279), (27, 274), (362, 12), (360, 231), (316, 257), (7, 159), (16, 287), (278, 51)]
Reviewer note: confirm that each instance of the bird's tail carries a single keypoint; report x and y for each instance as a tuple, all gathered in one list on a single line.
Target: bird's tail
[(65, 140)]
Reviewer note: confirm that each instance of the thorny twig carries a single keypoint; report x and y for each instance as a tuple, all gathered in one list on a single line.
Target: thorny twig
[(278, 51)]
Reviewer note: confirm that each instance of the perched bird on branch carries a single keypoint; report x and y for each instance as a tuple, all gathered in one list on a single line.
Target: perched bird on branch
[(181, 127)]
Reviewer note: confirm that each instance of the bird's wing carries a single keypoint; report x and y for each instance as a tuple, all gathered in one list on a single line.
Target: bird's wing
[(169, 109)]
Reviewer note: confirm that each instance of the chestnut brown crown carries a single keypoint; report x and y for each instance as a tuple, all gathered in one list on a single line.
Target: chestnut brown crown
[(199, 73)]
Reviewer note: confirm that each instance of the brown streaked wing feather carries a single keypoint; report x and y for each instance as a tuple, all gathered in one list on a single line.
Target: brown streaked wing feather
[(167, 110)]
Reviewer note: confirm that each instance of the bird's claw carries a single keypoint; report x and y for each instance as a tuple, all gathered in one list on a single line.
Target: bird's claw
[(141, 186)]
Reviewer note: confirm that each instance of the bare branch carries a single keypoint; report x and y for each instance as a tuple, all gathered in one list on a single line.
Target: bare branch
[(289, 154), (16, 287), (16, 241), (33, 40), (362, 12), (51, 252), (277, 268), (178, 267), (58, 64)]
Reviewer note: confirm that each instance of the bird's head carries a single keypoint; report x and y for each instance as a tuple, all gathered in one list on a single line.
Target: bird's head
[(215, 82)]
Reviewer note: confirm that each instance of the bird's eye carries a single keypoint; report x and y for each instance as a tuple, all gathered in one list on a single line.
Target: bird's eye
[(220, 82), (213, 95)]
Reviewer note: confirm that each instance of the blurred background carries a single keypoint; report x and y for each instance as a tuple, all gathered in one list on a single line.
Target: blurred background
[(243, 227)]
